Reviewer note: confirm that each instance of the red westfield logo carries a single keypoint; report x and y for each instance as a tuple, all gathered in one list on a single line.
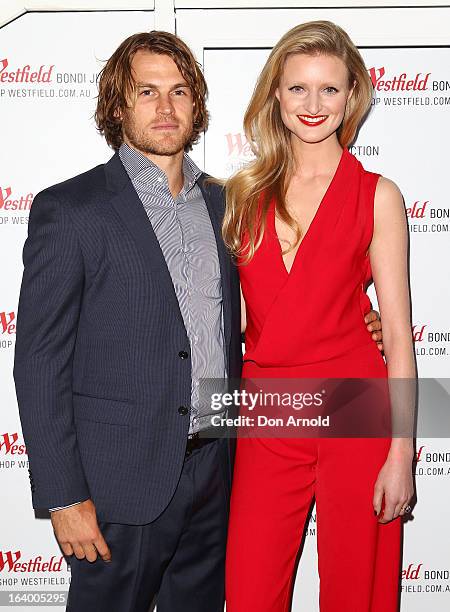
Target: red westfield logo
[(9, 201), (400, 82), (238, 144), (24, 74), (6, 323), (411, 573), (9, 445), (9, 560), (419, 454), (417, 332), (417, 210)]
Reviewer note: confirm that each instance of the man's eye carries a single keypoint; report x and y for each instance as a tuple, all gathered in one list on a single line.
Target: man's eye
[(146, 92), (179, 92)]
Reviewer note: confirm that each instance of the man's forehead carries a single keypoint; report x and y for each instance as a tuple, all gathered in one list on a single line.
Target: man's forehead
[(153, 67)]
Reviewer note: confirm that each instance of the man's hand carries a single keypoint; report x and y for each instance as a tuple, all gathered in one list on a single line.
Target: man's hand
[(373, 322), (77, 532)]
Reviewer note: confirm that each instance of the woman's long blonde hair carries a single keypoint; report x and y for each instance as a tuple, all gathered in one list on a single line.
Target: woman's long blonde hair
[(269, 173)]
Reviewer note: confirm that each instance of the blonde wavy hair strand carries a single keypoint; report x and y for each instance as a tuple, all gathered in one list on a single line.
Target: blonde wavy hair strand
[(250, 191)]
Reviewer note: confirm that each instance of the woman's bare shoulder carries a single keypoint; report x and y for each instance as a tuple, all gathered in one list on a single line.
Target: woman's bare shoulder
[(387, 190)]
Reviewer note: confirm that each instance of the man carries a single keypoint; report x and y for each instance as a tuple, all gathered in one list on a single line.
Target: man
[(128, 300)]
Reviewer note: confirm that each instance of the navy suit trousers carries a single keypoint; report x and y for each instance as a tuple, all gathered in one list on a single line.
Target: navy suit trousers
[(177, 560)]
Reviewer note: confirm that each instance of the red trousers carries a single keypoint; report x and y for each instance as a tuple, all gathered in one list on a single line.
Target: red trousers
[(274, 483)]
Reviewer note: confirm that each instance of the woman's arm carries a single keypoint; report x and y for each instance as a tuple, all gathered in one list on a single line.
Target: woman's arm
[(389, 263)]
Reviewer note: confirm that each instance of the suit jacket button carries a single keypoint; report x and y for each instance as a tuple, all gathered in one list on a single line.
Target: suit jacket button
[(182, 410), (183, 355)]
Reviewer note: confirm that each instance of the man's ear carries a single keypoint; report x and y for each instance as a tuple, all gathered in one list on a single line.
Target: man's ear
[(118, 114)]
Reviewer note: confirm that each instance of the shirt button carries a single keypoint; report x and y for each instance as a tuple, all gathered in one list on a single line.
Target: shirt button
[(183, 355), (182, 410)]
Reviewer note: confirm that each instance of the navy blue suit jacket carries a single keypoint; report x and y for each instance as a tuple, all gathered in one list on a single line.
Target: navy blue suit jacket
[(100, 371)]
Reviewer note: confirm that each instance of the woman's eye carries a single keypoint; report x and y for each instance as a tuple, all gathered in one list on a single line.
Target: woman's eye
[(296, 89), (331, 89)]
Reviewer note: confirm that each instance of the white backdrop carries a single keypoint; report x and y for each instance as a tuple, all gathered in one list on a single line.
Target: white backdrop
[(48, 135)]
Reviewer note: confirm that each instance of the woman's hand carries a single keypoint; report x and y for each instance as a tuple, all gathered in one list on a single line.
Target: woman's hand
[(395, 484)]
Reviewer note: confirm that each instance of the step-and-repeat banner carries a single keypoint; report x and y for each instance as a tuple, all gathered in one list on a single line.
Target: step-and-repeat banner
[(48, 68)]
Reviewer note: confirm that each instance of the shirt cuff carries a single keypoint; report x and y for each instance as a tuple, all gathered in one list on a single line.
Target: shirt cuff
[(63, 507)]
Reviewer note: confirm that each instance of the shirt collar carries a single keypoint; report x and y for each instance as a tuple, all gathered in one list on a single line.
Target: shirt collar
[(140, 168)]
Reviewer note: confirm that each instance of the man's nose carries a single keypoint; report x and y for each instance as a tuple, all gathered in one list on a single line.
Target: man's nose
[(165, 105)]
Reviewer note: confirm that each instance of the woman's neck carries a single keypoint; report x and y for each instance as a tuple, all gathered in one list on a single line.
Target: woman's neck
[(312, 159)]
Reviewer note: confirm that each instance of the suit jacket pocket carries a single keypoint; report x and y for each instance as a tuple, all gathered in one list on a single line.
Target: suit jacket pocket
[(104, 410)]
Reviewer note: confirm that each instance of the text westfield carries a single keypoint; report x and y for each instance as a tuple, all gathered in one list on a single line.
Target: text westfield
[(25, 74)]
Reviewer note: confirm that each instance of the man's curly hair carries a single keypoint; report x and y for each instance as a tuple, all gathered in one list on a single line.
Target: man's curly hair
[(117, 88)]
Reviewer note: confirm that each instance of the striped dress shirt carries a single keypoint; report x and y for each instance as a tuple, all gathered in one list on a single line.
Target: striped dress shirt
[(186, 237)]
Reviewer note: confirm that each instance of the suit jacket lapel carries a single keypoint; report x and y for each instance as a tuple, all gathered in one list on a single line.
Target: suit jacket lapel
[(129, 207), (216, 206)]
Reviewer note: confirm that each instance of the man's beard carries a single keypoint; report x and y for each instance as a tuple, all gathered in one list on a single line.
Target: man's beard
[(141, 140)]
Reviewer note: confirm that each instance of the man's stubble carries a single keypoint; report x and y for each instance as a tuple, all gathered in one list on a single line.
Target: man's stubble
[(141, 139)]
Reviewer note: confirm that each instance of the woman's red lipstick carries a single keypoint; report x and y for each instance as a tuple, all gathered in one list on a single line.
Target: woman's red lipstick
[(312, 121)]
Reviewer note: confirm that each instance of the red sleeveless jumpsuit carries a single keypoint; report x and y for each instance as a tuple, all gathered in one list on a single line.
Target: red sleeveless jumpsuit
[(309, 323)]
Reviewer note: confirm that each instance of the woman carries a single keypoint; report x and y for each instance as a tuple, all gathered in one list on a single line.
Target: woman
[(310, 227)]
